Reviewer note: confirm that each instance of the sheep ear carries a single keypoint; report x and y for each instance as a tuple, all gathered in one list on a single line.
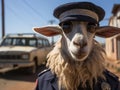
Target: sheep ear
[(50, 30), (107, 31)]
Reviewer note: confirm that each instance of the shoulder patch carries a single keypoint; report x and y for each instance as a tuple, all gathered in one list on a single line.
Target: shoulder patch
[(105, 86), (42, 72)]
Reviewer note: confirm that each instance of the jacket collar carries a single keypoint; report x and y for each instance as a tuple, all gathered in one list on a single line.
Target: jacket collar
[(53, 80)]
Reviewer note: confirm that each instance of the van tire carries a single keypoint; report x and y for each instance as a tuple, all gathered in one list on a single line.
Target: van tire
[(33, 69)]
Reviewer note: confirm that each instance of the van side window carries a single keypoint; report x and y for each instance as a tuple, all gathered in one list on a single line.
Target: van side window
[(40, 43), (47, 44), (32, 42), (43, 41)]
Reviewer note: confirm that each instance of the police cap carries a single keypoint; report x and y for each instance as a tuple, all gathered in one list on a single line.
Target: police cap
[(83, 11)]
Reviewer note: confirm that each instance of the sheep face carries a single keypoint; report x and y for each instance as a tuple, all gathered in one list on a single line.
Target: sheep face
[(78, 37)]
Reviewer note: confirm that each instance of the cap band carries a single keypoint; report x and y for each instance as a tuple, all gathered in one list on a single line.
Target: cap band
[(83, 12)]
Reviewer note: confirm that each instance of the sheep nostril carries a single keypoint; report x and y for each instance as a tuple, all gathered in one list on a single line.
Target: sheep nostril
[(85, 44), (81, 44), (76, 43)]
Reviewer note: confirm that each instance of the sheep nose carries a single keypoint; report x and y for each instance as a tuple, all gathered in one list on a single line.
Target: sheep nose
[(82, 43)]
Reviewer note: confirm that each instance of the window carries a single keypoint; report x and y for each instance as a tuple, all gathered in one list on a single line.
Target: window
[(40, 43), (112, 45), (6, 42), (32, 42), (18, 41), (47, 44)]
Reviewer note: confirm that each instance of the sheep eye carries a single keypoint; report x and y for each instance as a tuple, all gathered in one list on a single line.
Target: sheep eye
[(66, 26), (91, 27)]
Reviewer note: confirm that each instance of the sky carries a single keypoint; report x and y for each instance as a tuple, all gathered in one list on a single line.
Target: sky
[(22, 15)]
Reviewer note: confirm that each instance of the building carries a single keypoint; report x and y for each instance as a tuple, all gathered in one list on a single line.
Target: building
[(113, 43)]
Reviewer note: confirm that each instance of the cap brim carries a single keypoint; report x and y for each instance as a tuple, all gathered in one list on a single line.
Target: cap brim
[(50, 30), (107, 31), (79, 18)]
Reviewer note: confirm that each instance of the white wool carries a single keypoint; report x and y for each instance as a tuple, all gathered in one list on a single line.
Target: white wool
[(71, 73)]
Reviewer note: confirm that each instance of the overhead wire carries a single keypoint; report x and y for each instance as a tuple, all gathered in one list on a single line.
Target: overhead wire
[(16, 14), (35, 11)]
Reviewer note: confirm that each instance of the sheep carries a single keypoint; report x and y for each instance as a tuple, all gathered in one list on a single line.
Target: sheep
[(77, 59)]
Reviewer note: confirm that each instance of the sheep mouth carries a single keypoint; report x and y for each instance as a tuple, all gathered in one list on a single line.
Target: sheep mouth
[(80, 54)]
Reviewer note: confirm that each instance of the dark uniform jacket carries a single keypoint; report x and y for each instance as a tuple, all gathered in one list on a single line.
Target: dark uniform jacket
[(48, 81)]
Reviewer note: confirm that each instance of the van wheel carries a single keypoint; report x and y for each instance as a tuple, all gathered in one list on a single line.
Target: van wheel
[(33, 69)]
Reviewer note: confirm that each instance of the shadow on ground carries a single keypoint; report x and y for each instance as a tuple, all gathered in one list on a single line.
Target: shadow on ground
[(21, 75)]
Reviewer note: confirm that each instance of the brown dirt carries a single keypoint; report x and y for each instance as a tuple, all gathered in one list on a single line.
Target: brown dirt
[(18, 80), (113, 66)]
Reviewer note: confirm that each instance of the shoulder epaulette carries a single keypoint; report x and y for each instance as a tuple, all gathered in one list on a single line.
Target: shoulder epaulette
[(42, 72)]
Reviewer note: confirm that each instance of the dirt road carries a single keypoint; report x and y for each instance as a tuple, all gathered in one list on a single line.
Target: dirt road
[(18, 80)]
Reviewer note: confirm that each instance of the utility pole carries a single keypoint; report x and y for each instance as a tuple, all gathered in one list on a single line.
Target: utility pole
[(51, 22), (3, 18)]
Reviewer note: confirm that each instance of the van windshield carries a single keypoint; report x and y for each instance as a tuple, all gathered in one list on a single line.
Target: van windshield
[(19, 42)]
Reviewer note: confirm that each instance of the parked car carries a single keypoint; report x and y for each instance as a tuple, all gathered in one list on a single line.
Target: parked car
[(27, 50)]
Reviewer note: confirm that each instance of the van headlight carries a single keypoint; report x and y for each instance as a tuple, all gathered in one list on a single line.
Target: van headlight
[(25, 56)]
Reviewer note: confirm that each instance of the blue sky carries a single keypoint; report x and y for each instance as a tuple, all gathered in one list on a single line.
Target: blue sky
[(22, 15)]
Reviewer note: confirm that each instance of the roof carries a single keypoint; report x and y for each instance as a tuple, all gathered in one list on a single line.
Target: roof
[(115, 9)]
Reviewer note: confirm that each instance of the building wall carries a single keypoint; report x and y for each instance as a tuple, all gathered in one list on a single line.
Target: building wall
[(112, 47), (118, 47)]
